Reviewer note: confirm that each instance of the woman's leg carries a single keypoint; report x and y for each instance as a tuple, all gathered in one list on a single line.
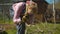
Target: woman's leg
[(21, 28)]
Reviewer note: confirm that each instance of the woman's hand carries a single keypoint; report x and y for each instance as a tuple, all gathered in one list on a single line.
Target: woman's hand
[(17, 21)]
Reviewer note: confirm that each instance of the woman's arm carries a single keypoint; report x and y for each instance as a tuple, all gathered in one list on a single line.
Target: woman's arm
[(18, 7)]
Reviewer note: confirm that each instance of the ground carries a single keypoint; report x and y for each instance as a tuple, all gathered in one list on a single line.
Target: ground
[(39, 28)]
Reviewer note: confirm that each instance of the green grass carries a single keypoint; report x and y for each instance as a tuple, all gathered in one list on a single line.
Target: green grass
[(11, 31), (6, 21), (39, 29)]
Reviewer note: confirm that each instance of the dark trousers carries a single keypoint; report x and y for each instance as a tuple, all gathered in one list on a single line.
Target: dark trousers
[(21, 28)]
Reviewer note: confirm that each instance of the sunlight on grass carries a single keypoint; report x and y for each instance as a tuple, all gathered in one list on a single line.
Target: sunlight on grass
[(39, 28), (43, 28)]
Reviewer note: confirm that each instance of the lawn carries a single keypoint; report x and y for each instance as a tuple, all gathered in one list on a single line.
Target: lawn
[(39, 28)]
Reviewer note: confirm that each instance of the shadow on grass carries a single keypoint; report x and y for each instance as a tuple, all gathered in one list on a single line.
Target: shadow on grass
[(4, 32)]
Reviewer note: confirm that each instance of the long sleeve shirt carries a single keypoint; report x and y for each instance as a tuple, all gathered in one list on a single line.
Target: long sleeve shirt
[(18, 7)]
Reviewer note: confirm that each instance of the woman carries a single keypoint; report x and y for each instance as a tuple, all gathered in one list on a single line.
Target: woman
[(19, 11), (19, 8)]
